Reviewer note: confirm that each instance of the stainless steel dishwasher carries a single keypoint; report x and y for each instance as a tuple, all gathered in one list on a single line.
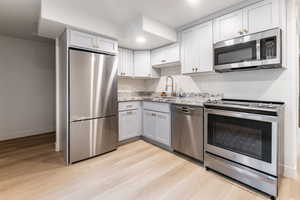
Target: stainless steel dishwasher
[(187, 130)]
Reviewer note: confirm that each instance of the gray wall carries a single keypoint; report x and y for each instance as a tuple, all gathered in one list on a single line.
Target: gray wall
[(27, 87)]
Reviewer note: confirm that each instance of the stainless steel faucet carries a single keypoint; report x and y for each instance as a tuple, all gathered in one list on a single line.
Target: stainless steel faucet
[(167, 86)]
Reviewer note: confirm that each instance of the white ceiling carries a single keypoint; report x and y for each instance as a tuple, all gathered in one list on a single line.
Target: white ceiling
[(173, 13), (20, 17)]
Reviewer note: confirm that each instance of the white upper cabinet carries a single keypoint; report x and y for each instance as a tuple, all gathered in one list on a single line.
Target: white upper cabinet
[(165, 56), (142, 65), (258, 17), (262, 16), (80, 39), (197, 49), (125, 63), (228, 26), (93, 42)]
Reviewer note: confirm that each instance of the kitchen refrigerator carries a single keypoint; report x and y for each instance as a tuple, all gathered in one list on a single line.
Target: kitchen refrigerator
[(93, 104)]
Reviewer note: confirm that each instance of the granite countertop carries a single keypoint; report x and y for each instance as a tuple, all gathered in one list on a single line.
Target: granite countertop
[(170, 100)]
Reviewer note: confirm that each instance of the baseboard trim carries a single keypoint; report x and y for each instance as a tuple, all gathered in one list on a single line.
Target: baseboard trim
[(289, 172), (163, 146), (130, 140), (28, 134)]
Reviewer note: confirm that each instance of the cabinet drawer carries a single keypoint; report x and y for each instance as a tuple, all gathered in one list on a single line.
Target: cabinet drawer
[(131, 105), (158, 107)]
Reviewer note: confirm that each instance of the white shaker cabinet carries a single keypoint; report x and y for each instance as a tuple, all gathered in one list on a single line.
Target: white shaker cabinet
[(262, 16), (255, 18), (163, 128), (93, 42), (197, 49), (125, 63), (165, 56), (149, 122), (130, 120), (128, 124), (157, 122), (228, 26), (142, 65)]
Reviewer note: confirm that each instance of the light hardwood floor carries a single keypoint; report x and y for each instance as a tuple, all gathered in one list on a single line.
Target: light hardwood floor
[(32, 171)]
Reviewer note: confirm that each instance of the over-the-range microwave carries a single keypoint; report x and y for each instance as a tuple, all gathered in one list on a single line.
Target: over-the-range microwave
[(261, 50)]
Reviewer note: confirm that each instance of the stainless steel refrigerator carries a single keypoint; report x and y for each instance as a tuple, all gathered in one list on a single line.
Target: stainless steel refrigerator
[(93, 106)]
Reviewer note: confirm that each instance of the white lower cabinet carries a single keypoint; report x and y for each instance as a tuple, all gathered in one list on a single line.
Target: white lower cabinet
[(129, 121), (157, 124), (154, 123), (149, 122), (163, 128)]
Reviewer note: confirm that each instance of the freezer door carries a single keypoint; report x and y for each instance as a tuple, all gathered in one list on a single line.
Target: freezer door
[(106, 135), (93, 85), (80, 140), (90, 138)]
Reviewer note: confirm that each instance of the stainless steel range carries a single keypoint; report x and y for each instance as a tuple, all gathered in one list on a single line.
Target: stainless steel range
[(243, 140)]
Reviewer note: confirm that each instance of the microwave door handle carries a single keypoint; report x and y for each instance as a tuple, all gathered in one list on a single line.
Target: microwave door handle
[(258, 49)]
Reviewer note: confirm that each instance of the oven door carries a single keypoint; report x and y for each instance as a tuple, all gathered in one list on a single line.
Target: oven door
[(247, 139)]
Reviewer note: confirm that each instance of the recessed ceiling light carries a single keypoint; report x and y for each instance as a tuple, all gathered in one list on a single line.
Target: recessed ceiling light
[(193, 2), (140, 39)]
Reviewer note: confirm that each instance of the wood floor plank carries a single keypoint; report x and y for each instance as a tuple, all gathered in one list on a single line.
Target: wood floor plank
[(31, 170)]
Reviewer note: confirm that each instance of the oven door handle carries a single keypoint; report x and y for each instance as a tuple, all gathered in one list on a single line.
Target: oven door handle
[(242, 115)]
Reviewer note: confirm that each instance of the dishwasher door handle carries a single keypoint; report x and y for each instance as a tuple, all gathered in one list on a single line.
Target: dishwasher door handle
[(183, 108)]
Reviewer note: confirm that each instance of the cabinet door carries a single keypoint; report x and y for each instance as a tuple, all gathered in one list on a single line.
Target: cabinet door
[(157, 57), (128, 62), (172, 53), (107, 45), (120, 62), (125, 64), (142, 64), (228, 26), (163, 128), (84, 40), (149, 123), (261, 16), (128, 124), (165, 55), (189, 50), (205, 50), (197, 49)]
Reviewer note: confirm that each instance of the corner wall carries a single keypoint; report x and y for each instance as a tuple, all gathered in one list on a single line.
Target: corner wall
[(27, 87)]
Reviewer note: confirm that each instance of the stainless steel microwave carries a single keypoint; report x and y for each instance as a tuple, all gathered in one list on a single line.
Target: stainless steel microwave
[(255, 51)]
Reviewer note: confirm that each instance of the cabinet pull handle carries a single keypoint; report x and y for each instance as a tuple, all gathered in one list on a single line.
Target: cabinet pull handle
[(153, 114), (129, 106), (129, 113), (163, 60)]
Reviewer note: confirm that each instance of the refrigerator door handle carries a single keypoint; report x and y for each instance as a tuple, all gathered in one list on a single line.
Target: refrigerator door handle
[(77, 119)]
